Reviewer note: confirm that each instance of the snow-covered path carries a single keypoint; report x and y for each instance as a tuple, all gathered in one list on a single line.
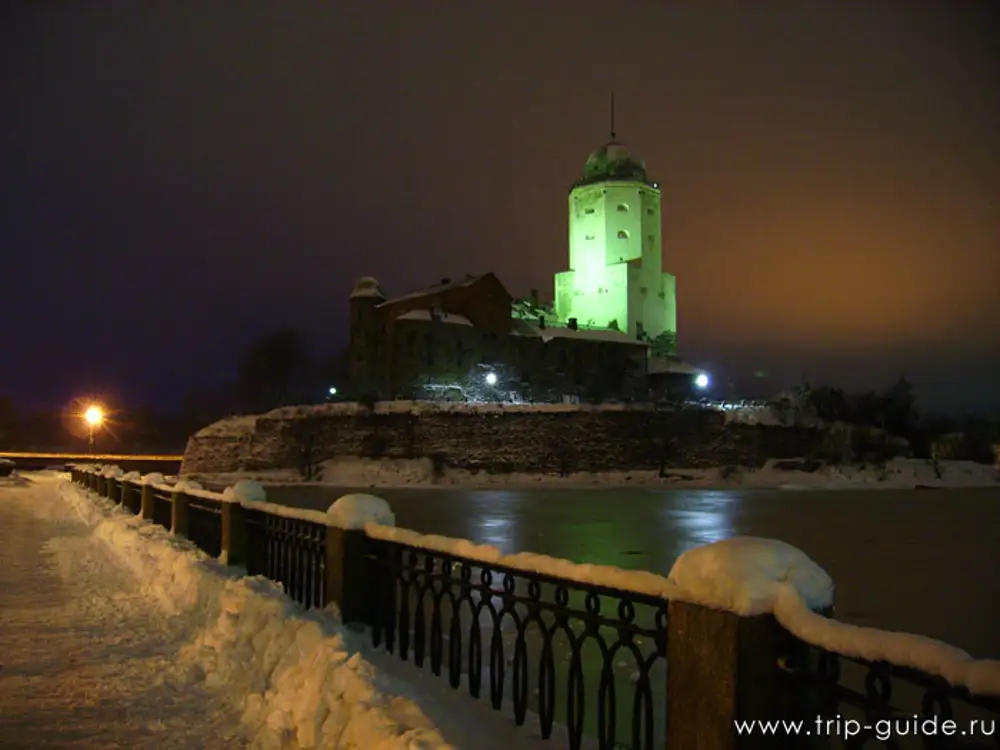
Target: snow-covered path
[(85, 654)]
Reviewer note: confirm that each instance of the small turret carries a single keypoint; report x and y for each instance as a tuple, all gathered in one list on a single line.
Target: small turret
[(364, 343)]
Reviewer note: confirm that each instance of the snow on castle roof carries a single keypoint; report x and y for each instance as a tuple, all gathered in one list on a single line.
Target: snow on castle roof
[(460, 320)]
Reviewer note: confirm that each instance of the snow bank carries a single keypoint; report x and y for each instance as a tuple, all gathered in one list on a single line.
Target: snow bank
[(898, 474), (292, 674), (355, 510)]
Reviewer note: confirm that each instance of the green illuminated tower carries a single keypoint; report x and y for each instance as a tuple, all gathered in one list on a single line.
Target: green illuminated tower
[(616, 276)]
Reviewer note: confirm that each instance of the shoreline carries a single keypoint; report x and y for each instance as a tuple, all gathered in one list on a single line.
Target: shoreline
[(897, 474)]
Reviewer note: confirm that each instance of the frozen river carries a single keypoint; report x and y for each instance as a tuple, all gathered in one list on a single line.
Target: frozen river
[(923, 561)]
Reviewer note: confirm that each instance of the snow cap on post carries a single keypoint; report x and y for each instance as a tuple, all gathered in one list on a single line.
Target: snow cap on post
[(743, 575), (187, 484), (355, 510)]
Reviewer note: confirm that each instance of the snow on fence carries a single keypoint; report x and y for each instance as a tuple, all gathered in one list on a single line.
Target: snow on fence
[(744, 625)]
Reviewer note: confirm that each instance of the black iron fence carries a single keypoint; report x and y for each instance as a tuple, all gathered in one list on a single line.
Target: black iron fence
[(580, 659), (163, 508), (877, 704), (205, 523), (290, 551), (131, 497), (582, 655)]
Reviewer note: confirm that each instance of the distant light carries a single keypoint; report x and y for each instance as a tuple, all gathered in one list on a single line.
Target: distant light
[(656, 184), (93, 416), (701, 381), (491, 378), (333, 391)]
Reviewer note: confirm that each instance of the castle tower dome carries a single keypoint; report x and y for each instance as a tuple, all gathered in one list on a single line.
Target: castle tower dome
[(615, 277)]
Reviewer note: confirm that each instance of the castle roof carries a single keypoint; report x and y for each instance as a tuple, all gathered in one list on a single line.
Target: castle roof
[(445, 285), (613, 162), (367, 287)]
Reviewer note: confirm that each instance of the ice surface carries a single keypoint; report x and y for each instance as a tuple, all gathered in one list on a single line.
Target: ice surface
[(355, 510)]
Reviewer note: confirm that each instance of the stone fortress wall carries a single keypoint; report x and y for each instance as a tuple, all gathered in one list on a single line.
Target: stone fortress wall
[(551, 439)]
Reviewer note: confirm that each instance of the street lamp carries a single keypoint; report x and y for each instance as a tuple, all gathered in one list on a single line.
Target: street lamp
[(94, 416)]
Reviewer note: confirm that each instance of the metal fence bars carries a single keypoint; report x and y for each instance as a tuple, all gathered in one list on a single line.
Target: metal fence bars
[(163, 508), (864, 700), (290, 551), (205, 524), (463, 615), (131, 497)]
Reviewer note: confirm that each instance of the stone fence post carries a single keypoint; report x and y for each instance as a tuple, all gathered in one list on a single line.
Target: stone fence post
[(234, 533), (348, 565), (146, 502), (723, 667), (179, 513), (346, 580)]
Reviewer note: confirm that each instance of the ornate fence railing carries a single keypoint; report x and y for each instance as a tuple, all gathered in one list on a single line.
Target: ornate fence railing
[(290, 551), (578, 658), (205, 524), (588, 657), (131, 498), (877, 704), (163, 505)]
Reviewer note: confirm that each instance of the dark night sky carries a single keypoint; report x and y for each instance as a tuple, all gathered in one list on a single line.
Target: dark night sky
[(178, 177)]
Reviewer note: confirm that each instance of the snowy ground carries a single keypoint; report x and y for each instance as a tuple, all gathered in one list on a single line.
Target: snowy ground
[(116, 634), (87, 657), (898, 473)]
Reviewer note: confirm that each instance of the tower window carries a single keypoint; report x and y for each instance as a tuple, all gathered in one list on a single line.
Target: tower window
[(622, 234), (652, 238), (649, 211), (589, 237), (623, 208), (588, 210)]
